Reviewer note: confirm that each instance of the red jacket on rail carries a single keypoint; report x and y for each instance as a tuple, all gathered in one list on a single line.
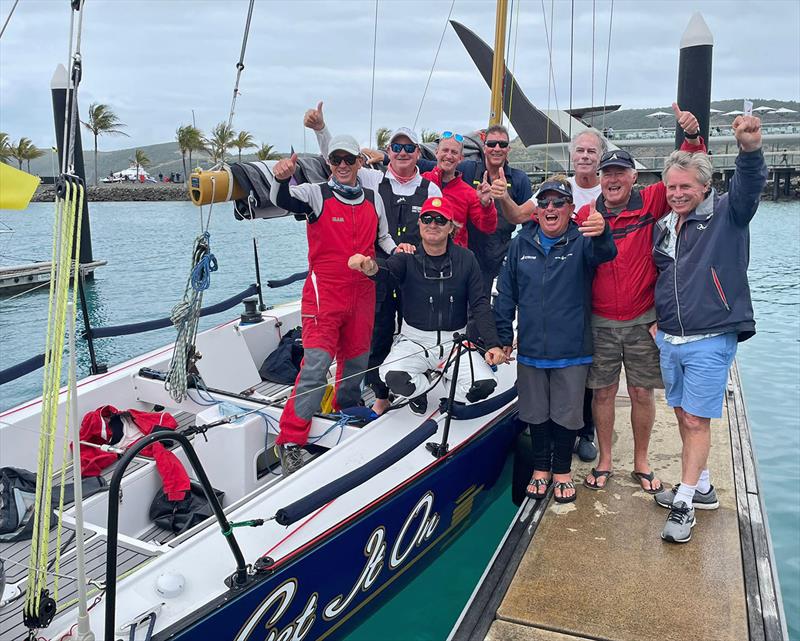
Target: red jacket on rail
[(108, 425), (624, 288), (465, 205)]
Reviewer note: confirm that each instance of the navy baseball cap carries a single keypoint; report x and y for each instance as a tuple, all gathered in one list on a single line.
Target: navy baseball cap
[(565, 189), (617, 158)]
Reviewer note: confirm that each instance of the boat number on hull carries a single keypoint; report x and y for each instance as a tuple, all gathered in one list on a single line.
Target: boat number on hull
[(419, 526)]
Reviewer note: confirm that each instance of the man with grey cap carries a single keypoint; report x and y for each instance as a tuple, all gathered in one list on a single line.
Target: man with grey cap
[(403, 190), (337, 304)]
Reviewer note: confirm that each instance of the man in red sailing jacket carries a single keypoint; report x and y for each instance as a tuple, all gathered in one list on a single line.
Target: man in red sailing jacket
[(338, 304), (623, 309), (465, 203)]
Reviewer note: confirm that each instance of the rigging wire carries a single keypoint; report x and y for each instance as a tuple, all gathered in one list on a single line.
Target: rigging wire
[(372, 91), (571, 54), (10, 13), (594, 8), (503, 87), (433, 66), (240, 65), (608, 59), (514, 62)]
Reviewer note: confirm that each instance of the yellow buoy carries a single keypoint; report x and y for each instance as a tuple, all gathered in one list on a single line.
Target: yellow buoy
[(215, 186), (16, 187)]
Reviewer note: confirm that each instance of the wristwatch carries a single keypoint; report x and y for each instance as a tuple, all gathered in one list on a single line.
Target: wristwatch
[(693, 136)]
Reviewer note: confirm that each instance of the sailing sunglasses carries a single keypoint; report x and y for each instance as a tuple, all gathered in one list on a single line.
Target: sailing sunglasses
[(408, 147), (497, 143), (427, 219), (450, 134), (337, 160), (557, 203)]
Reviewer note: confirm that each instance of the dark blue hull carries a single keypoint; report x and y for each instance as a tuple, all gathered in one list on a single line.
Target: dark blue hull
[(314, 594)]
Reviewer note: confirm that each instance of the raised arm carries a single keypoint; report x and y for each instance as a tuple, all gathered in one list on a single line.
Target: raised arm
[(512, 212), (750, 176), (294, 198), (481, 210), (601, 247)]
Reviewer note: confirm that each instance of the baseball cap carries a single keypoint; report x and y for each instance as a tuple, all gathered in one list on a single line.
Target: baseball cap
[(617, 158), (565, 189), (437, 205), (405, 131), (344, 142)]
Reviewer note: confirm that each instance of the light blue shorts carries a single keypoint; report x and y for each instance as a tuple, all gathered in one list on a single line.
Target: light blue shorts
[(695, 374)]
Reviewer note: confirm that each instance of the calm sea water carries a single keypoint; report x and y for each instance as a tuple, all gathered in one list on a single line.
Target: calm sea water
[(148, 247)]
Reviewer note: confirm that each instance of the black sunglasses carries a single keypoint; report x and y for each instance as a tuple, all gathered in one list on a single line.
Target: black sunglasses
[(439, 219), (337, 160), (558, 203), (497, 143), (409, 147)]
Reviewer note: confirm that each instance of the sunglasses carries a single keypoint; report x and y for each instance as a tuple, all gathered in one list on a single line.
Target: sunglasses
[(557, 203), (337, 160), (397, 147), (439, 219), (497, 143), (450, 134)]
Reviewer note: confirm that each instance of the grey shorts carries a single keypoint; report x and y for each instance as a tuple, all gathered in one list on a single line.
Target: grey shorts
[(555, 394), (632, 346)]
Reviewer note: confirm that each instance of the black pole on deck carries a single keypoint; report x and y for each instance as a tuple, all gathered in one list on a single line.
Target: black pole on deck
[(694, 74), (59, 89)]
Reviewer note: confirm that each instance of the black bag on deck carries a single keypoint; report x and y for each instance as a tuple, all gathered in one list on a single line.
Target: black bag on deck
[(18, 495), (283, 365), (179, 516)]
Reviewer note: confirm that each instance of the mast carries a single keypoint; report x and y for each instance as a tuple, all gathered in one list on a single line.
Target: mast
[(498, 64)]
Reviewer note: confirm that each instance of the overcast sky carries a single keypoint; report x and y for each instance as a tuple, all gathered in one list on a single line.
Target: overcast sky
[(154, 61)]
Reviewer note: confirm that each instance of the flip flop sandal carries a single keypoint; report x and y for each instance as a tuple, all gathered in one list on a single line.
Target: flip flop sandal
[(649, 477), (536, 484), (598, 474), (569, 485)]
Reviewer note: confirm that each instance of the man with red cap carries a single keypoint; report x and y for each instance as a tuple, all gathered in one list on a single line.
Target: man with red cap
[(440, 283)]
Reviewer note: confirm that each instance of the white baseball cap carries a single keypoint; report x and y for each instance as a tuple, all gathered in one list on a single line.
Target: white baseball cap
[(404, 131), (344, 142)]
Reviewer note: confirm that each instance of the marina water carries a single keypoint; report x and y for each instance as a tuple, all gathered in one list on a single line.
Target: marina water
[(148, 249)]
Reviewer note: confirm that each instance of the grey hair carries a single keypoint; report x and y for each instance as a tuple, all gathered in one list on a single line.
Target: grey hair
[(699, 162), (601, 141)]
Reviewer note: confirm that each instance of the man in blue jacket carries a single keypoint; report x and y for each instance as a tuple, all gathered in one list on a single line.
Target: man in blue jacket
[(703, 306), (548, 277)]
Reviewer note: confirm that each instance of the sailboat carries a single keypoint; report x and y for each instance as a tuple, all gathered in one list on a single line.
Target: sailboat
[(296, 557)]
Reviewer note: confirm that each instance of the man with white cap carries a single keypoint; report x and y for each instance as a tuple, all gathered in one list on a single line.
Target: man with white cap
[(338, 304), (403, 190), (440, 282)]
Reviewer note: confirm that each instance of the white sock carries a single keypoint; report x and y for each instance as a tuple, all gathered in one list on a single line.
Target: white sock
[(704, 483), (685, 493)]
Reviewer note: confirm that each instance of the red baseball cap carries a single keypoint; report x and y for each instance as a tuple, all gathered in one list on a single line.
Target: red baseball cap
[(438, 205)]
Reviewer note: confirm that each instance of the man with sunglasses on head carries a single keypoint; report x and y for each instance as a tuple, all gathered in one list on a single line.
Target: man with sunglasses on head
[(468, 205), (623, 308), (338, 305), (440, 283), (402, 190)]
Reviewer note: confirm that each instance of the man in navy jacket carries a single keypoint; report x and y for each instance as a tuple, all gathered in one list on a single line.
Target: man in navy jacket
[(703, 307)]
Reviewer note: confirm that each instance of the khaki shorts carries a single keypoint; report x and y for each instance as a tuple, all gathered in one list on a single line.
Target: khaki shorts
[(632, 346)]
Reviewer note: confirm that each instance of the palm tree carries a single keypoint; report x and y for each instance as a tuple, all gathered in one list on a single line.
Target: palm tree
[(222, 137), (243, 141), (19, 150), (382, 137), (195, 141), (429, 136), (140, 159), (32, 152), (183, 136), (102, 121), (267, 152), (5, 147)]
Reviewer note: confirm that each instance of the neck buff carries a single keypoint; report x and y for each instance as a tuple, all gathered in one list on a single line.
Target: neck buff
[(401, 179), (346, 191)]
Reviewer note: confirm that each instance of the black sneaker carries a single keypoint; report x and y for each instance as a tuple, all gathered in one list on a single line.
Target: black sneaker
[(419, 404), (291, 456), (586, 449)]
